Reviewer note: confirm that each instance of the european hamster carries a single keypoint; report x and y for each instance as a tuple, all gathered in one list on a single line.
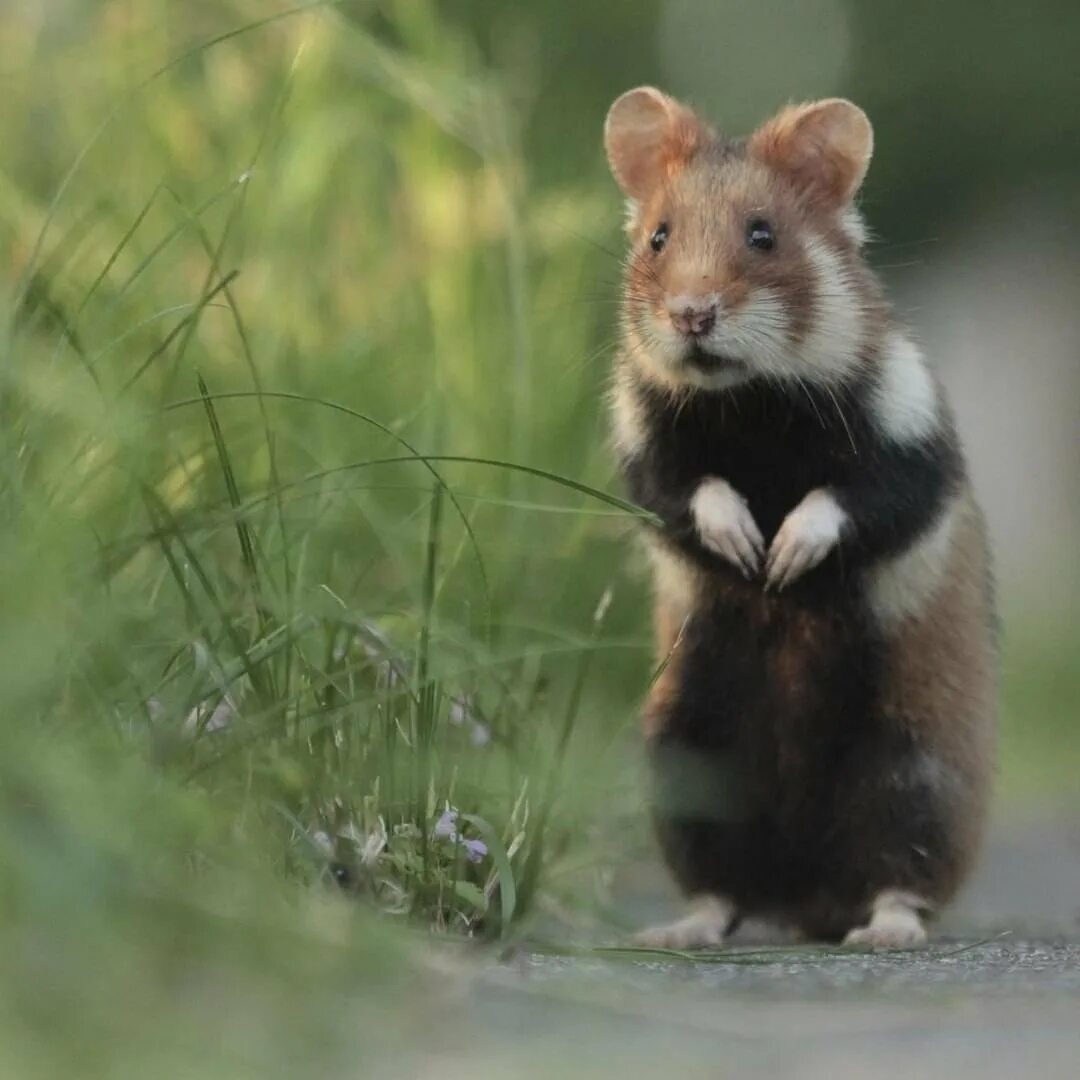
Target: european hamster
[(821, 737)]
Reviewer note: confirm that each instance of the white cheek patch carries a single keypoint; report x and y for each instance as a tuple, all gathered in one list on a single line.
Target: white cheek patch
[(659, 357), (630, 215), (830, 351), (663, 339), (758, 331), (904, 585), (905, 397)]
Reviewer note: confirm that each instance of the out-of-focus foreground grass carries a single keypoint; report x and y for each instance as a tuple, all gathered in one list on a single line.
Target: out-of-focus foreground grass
[(283, 303), (264, 632)]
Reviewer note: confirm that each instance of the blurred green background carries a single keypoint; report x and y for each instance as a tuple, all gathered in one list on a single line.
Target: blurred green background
[(309, 565)]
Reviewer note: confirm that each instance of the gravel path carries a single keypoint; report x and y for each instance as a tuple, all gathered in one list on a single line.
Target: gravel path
[(990, 969), (1000, 1009), (996, 995)]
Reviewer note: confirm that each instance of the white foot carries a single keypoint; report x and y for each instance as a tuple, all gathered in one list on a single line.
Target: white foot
[(895, 923), (705, 927)]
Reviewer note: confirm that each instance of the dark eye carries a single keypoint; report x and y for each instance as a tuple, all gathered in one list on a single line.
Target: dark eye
[(760, 235), (659, 238)]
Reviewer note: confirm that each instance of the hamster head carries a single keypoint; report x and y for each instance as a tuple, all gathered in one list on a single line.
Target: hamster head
[(745, 254)]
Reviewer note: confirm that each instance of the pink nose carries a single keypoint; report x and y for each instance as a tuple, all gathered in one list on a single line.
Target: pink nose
[(692, 317)]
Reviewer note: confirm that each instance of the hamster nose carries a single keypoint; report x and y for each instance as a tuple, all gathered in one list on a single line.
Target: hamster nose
[(691, 316)]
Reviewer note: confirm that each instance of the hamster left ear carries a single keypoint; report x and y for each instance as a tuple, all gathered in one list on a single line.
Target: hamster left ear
[(647, 134), (825, 147)]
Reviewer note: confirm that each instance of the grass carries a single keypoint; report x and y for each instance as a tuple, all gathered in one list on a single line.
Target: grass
[(315, 546), (301, 569), (314, 576)]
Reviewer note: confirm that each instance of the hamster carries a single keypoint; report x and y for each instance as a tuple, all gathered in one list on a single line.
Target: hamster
[(821, 733)]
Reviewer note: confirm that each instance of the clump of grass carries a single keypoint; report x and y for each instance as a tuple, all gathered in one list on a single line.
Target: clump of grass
[(324, 556)]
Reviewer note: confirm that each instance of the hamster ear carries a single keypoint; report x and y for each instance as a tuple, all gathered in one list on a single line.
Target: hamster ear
[(824, 147), (646, 135)]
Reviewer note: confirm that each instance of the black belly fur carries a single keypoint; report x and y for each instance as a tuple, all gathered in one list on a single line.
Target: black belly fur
[(773, 699), (779, 780)]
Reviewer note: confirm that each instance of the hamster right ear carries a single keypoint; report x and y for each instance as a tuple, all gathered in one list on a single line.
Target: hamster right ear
[(646, 135), (823, 146)]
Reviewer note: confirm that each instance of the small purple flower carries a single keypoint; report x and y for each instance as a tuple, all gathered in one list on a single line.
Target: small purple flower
[(446, 826), (475, 850)]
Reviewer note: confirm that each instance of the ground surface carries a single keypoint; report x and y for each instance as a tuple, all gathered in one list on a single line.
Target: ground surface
[(1002, 1009), (997, 994)]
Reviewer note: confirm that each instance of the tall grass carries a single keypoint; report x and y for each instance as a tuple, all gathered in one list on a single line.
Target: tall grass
[(307, 508)]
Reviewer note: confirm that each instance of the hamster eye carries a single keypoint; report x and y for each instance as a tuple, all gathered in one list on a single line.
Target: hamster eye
[(760, 235), (658, 240)]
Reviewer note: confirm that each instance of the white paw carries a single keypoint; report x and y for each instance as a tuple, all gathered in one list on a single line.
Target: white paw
[(900, 929), (807, 535), (680, 935), (705, 927), (726, 526)]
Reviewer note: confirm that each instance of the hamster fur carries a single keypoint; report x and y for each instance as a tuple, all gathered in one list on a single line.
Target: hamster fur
[(821, 737)]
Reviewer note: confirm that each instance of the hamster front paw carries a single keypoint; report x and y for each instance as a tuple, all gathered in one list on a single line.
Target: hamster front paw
[(725, 525), (806, 536)]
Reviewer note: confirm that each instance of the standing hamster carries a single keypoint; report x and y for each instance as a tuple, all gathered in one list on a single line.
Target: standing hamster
[(821, 738)]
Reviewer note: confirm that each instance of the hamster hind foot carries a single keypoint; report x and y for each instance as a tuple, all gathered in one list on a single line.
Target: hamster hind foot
[(709, 922)]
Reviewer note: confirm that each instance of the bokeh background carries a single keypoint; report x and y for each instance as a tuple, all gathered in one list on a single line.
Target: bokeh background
[(309, 565)]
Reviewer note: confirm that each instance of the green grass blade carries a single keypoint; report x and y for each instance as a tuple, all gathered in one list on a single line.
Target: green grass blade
[(243, 532), (415, 455), (503, 869), (114, 113), (189, 321), (427, 460)]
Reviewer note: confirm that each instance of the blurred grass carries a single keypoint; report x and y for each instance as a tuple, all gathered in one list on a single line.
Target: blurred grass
[(1040, 751), (278, 318), (305, 515)]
